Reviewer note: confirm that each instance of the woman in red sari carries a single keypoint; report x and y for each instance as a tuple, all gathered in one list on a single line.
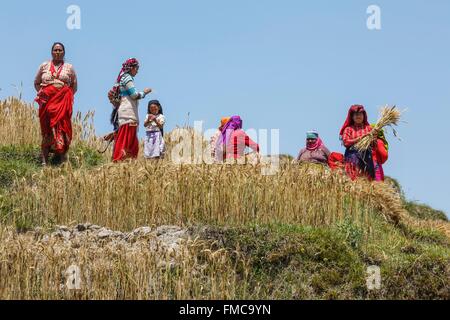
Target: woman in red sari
[(56, 84)]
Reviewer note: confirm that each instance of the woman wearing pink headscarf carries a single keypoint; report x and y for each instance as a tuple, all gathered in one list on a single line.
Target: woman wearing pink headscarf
[(315, 151), (234, 141)]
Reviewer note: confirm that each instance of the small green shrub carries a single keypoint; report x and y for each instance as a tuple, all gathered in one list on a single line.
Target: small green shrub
[(351, 233)]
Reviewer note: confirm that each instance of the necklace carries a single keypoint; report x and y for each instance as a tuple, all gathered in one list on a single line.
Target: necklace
[(56, 74)]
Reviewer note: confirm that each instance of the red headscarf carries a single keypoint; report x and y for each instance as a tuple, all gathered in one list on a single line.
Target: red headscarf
[(349, 122), (126, 67)]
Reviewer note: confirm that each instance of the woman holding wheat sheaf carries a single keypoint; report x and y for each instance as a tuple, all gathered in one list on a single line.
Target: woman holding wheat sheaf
[(357, 163), (56, 84)]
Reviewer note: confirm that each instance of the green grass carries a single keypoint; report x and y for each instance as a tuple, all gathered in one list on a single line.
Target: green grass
[(301, 262), (17, 162), (423, 211), (21, 162)]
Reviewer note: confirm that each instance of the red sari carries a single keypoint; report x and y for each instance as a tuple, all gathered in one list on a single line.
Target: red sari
[(126, 144), (55, 115), (380, 156)]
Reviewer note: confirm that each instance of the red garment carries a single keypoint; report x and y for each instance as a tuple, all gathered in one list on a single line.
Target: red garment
[(379, 152), (239, 140), (55, 115), (126, 143), (380, 156), (336, 161), (350, 136), (349, 121)]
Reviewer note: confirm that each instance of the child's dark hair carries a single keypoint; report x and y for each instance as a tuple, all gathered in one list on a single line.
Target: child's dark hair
[(156, 102)]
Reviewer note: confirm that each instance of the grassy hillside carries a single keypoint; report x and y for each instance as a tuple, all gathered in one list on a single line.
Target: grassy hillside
[(305, 233)]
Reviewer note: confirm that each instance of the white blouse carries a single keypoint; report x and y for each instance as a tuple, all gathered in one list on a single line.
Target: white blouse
[(152, 126), (67, 76)]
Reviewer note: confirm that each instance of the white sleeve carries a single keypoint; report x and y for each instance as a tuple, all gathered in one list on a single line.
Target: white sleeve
[(162, 119)]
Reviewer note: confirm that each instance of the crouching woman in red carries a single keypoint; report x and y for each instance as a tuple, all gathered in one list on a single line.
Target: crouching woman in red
[(233, 141)]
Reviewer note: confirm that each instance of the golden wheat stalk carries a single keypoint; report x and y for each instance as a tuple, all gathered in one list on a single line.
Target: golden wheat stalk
[(389, 117)]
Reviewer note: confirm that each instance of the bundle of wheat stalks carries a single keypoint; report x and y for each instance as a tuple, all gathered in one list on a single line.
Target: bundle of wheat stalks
[(389, 117)]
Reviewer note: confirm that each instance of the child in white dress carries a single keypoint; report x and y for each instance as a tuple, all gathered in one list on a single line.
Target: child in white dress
[(154, 147)]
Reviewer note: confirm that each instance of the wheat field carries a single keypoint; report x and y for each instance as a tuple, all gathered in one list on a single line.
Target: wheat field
[(140, 193)]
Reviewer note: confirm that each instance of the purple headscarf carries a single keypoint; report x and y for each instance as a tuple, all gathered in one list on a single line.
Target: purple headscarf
[(235, 123)]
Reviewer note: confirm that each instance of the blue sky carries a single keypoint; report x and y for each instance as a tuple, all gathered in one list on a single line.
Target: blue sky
[(293, 65)]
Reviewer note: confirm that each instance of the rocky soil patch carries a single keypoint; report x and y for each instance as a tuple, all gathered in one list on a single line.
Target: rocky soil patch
[(163, 238)]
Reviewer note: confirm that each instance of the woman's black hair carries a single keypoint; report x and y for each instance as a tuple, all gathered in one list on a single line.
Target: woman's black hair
[(58, 43), (156, 102)]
